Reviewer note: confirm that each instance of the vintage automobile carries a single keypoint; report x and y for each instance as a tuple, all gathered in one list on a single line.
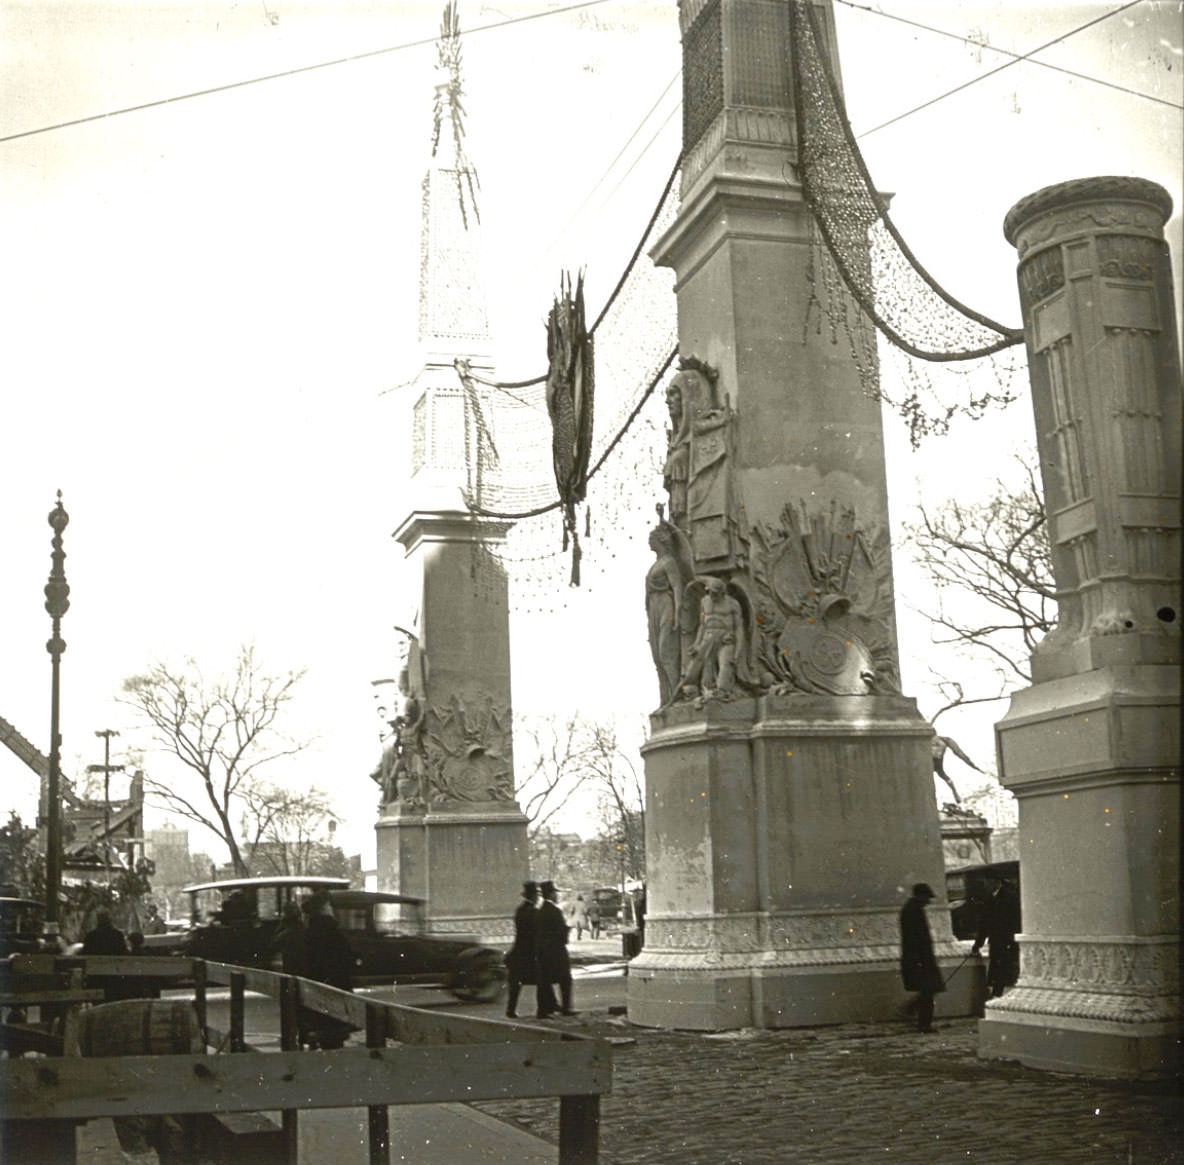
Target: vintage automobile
[(386, 933), (967, 889)]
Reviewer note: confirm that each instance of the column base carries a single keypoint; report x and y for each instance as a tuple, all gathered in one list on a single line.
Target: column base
[(1089, 1047), (711, 991)]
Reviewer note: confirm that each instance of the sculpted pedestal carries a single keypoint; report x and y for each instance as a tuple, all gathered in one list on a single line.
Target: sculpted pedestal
[(783, 836)]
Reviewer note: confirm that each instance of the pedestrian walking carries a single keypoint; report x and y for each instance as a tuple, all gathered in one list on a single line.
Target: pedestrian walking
[(553, 964), (329, 960), (918, 966), (594, 918), (1001, 920), (521, 957), (290, 941), (581, 918)]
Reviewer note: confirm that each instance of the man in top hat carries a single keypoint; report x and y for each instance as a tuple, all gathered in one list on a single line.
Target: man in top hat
[(520, 959), (551, 952), (918, 966)]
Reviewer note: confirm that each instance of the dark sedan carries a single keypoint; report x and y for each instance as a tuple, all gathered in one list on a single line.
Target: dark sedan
[(386, 933)]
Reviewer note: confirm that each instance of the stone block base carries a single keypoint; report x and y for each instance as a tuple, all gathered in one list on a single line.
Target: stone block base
[(469, 864), (712, 998), (1115, 1051)]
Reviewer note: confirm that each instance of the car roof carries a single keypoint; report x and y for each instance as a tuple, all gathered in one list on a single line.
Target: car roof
[(20, 902), (365, 897), (312, 881), (1005, 869)]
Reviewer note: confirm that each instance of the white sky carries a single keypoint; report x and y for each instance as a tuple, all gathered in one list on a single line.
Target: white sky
[(204, 303)]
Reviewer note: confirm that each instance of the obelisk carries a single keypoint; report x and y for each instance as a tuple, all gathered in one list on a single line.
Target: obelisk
[(450, 829), (1092, 748), (790, 803)]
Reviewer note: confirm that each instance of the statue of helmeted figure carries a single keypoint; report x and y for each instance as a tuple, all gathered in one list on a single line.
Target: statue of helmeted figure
[(665, 582), (697, 471)]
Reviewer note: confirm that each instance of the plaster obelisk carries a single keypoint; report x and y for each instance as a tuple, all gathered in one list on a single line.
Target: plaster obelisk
[(790, 803), (450, 829)]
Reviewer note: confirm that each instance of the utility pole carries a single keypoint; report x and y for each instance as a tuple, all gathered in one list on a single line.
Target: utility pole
[(57, 603), (106, 768)]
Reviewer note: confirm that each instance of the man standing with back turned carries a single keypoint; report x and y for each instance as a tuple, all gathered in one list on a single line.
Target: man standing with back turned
[(918, 966)]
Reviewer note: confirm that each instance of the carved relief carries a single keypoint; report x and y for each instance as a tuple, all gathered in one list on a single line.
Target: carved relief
[(1042, 275), (698, 470), (1127, 257), (824, 605), (467, 751)]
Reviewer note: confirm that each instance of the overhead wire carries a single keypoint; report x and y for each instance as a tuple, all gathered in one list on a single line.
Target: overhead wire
[(294, 72), (982, 44), (998, 69)]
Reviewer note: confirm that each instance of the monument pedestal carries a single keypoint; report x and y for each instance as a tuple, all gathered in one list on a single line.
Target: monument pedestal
[(1087, 756), (465, 859), (783, 835)]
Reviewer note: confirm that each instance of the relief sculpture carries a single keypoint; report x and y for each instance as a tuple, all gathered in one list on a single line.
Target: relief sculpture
[(698, 471), (824, 606), (468, 751)]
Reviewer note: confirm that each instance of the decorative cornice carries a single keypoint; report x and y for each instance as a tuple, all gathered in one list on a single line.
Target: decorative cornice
[(1110, 188)]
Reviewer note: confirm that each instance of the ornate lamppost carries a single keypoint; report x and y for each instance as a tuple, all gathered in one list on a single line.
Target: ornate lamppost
[(57, 603)]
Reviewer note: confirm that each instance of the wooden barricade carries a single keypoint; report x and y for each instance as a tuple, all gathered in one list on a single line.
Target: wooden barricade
[(410, 1056)]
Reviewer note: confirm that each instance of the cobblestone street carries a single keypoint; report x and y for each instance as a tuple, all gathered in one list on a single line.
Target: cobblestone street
[(852, 1094)]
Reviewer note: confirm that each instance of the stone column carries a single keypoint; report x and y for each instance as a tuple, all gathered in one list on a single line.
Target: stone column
[(788, 809), (450, 829), (1092, 748)]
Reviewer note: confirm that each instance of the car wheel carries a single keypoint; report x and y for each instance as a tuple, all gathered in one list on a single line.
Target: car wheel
[(480, 978)]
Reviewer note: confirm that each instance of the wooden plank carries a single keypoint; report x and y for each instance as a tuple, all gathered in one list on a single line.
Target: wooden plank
[(410, 1025), (331, 1001), (139, 966), (33, 998), (131, 1085), (377, 1115)]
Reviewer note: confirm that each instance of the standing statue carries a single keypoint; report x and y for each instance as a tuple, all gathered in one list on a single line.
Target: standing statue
[(697, 473), (938, 748), (720, 642), (665, 582)]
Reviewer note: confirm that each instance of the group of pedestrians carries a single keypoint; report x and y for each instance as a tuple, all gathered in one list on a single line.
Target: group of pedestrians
[(918, 965), (539, 954), (584, 916)]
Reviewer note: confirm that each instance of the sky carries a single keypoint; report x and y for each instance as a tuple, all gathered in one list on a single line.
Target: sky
[(209, 304)]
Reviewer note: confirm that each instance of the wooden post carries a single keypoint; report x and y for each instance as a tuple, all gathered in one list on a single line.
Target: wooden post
[(290, 1042), (379, 1114), (238, 1034), (579, 1130), (199, 997)]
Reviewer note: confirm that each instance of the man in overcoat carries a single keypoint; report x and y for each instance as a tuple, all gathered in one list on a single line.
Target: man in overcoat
[(520, 959), (554, 966), (918, 966)]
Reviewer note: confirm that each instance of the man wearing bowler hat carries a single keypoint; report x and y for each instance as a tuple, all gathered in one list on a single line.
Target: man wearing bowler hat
[(918, 966)]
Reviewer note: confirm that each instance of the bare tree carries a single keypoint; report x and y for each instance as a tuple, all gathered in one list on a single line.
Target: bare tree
[(990, 564), (556, 755), (621, 799), (223, 731), (283, 828)]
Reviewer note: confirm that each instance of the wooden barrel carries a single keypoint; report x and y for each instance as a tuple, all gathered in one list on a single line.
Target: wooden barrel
[(140, 1027)]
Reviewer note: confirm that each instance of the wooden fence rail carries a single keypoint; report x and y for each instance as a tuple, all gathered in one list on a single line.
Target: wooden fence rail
[(410, 1057)]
